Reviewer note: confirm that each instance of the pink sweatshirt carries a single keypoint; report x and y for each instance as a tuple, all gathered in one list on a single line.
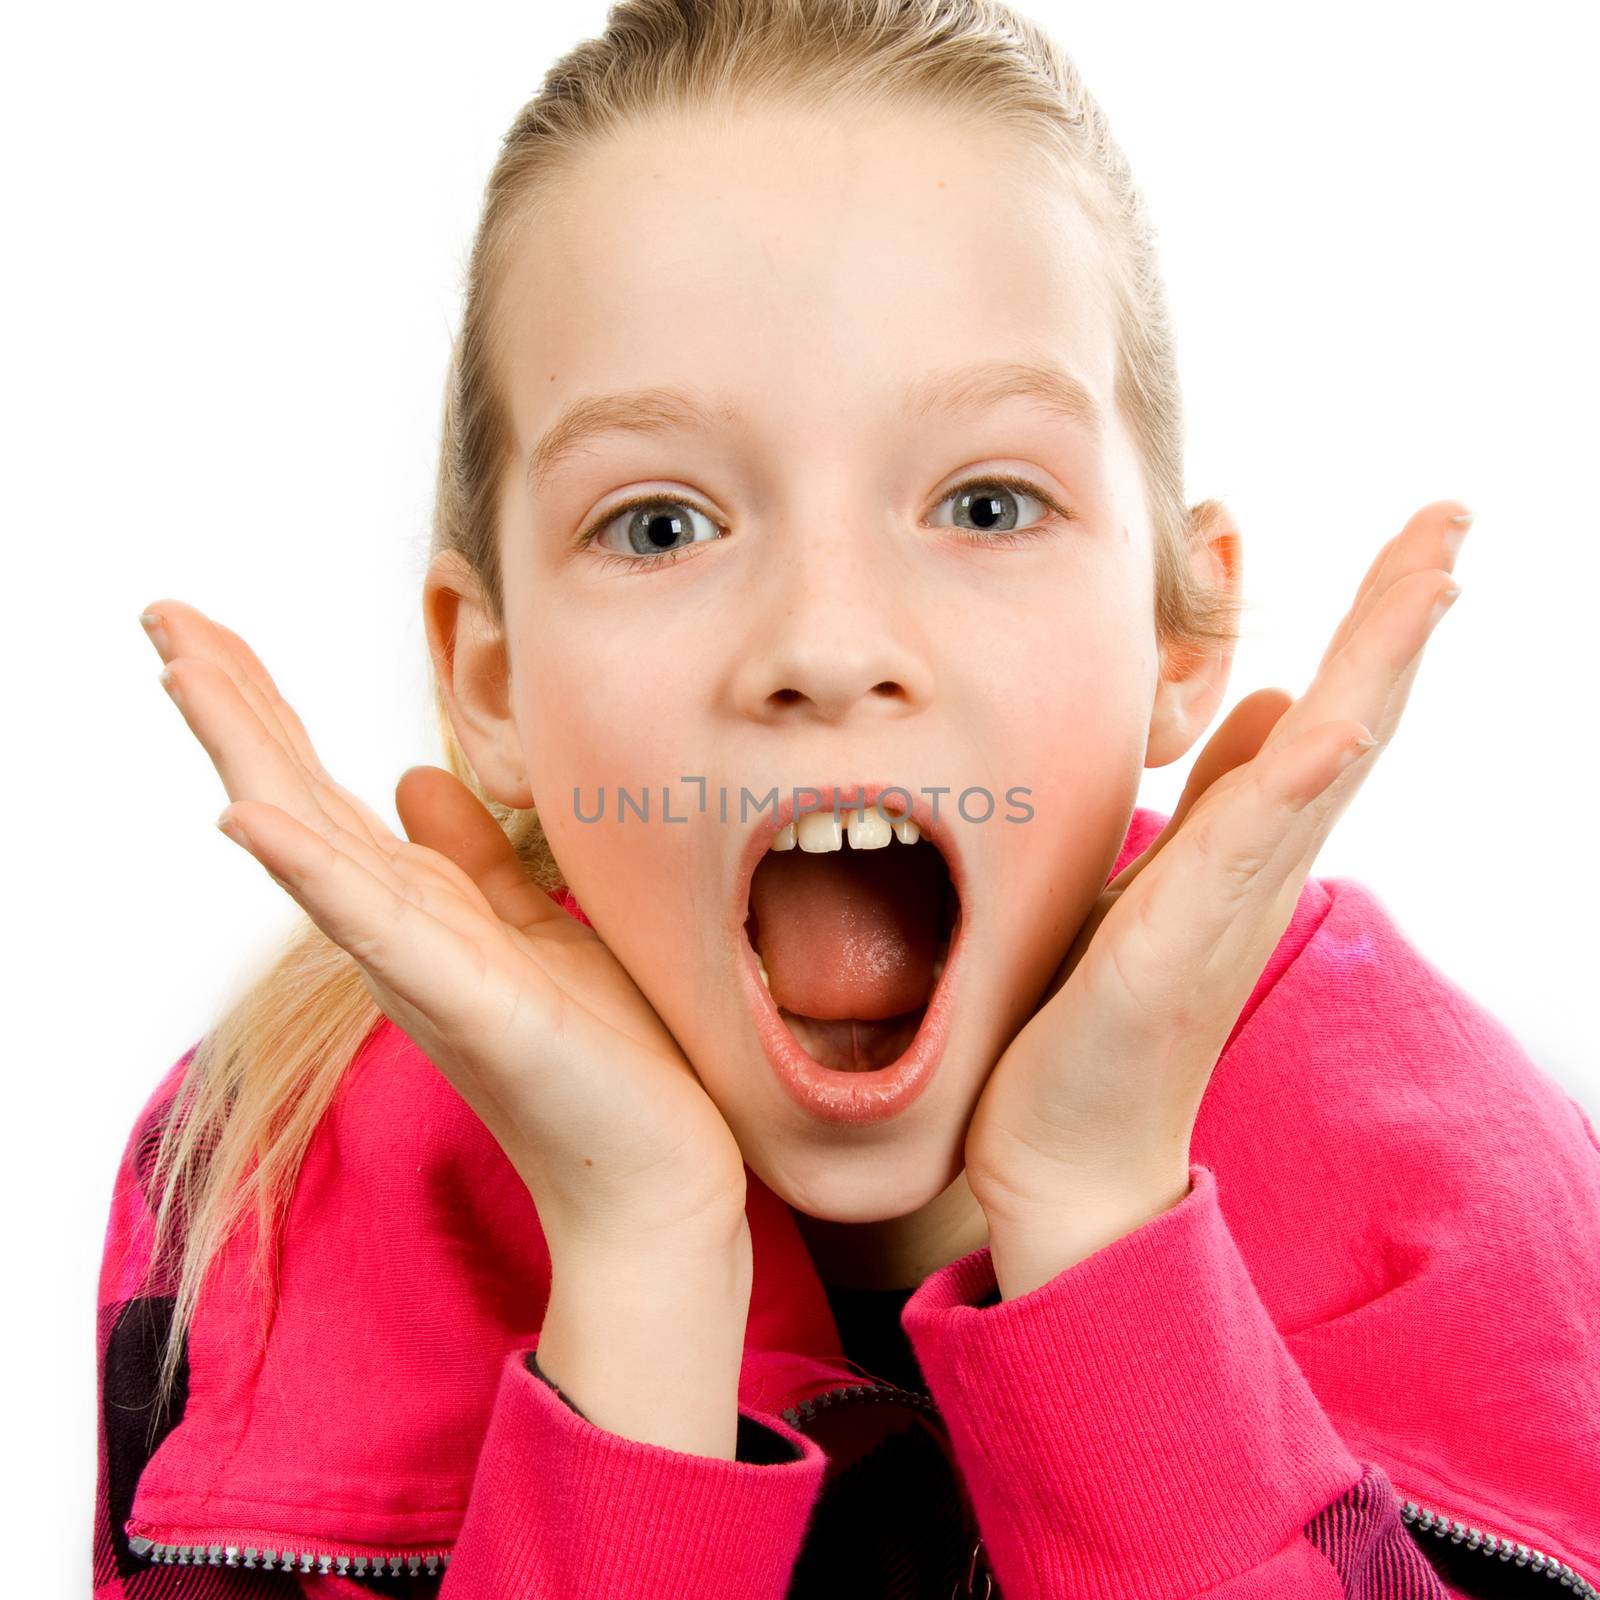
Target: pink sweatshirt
[(1361, 1357)]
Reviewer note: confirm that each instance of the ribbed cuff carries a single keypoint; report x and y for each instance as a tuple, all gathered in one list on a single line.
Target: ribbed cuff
[(560, 1506), (1134, 1426), (754, 1440)]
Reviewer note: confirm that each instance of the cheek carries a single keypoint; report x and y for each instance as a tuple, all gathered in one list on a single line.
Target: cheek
[(1074, 735), (605, 705), (1067, 690), (609, 744)]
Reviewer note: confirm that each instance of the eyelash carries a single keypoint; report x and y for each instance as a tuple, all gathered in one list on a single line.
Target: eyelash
[(1006, 538)]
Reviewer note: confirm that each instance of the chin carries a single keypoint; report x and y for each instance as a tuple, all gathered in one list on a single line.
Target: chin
[(859, 1186)]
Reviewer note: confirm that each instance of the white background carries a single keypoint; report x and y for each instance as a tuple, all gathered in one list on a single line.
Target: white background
[(237, 239)]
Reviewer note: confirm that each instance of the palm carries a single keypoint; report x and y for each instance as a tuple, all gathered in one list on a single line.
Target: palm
[(1109, 1072), (1219, 766), (523, 1008)]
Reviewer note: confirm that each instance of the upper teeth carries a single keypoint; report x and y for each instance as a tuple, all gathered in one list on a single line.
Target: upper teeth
[(824, 830)]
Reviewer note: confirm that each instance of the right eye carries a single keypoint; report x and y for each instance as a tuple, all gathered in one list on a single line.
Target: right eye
[(650, 526)]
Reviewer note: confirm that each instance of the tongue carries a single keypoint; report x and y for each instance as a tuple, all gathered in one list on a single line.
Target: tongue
[(849, 933)]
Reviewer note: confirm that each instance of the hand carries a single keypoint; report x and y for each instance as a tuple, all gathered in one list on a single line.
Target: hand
[(522, 1007), (1082, 1133)]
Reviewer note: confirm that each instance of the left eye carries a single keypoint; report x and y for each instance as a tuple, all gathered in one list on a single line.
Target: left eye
[(653, 527), (992, 504)]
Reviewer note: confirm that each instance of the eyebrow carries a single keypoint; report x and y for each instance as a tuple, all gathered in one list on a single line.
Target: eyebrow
[(658, 411)]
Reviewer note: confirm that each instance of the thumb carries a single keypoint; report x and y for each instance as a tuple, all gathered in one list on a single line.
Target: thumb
[(440, 812), (1243, 732), (1237, 741)]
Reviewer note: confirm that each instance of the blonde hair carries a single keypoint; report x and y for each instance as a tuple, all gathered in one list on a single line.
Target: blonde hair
[(260, 1079)]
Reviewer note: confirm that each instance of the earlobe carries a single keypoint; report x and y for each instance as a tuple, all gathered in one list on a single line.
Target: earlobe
[(1186, 700), (1177, 714), (472, 666), (1192, 681)]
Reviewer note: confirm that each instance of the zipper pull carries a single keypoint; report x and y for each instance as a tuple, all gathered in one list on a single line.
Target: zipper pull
[(974, 1572)]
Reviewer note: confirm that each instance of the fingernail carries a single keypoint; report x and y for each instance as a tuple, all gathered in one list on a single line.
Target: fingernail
[(151, 622), (1457, 533), (1443, 601), (1355, 750), (230, 826)]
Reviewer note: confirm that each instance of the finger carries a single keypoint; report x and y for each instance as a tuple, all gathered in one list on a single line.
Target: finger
[(1238, 841), (1222, 894), (380, 923), (439, 811), (252, 761), (1236, 741), (1430, 539), (262, 693), (188, 631), (1368, 677), (1298, 798)]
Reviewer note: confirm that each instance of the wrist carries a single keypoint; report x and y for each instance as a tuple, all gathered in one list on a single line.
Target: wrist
[(1030, 1245), (648, 1344), (656, 1270), (585, 1227)]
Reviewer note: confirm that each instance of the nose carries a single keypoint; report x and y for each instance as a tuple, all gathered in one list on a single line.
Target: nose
[(832, 631)]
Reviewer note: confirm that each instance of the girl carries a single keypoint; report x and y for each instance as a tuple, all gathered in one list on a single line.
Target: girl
[(784, 1121)]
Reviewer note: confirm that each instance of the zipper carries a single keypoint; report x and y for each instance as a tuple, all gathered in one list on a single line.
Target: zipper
[(249, 1551), (214, 1547), (1427, 1519), (914, 1400), (1496, 1546), (222, 1548), (231, 1550)]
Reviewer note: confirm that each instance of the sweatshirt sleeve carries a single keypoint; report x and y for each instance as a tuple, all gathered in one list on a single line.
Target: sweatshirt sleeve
[(1137, 1427), (561, 1507), (558, 1507), (133, 1311)]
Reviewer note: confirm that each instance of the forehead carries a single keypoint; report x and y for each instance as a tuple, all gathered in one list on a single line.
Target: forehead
[(785, 258)]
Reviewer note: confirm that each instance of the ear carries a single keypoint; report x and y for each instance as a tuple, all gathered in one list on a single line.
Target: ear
[(1192, 683), (473, 667)]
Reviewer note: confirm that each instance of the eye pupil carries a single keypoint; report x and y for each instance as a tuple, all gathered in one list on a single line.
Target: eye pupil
[(986, 509), (660, 530)]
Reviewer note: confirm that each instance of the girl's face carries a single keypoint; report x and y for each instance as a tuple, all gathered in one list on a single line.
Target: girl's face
[(839, 298)]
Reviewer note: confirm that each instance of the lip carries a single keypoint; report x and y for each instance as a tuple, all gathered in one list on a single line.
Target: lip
[(853, 1098)]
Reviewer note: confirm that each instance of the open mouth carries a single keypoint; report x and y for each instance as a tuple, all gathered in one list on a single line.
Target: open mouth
[(850, 918)]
